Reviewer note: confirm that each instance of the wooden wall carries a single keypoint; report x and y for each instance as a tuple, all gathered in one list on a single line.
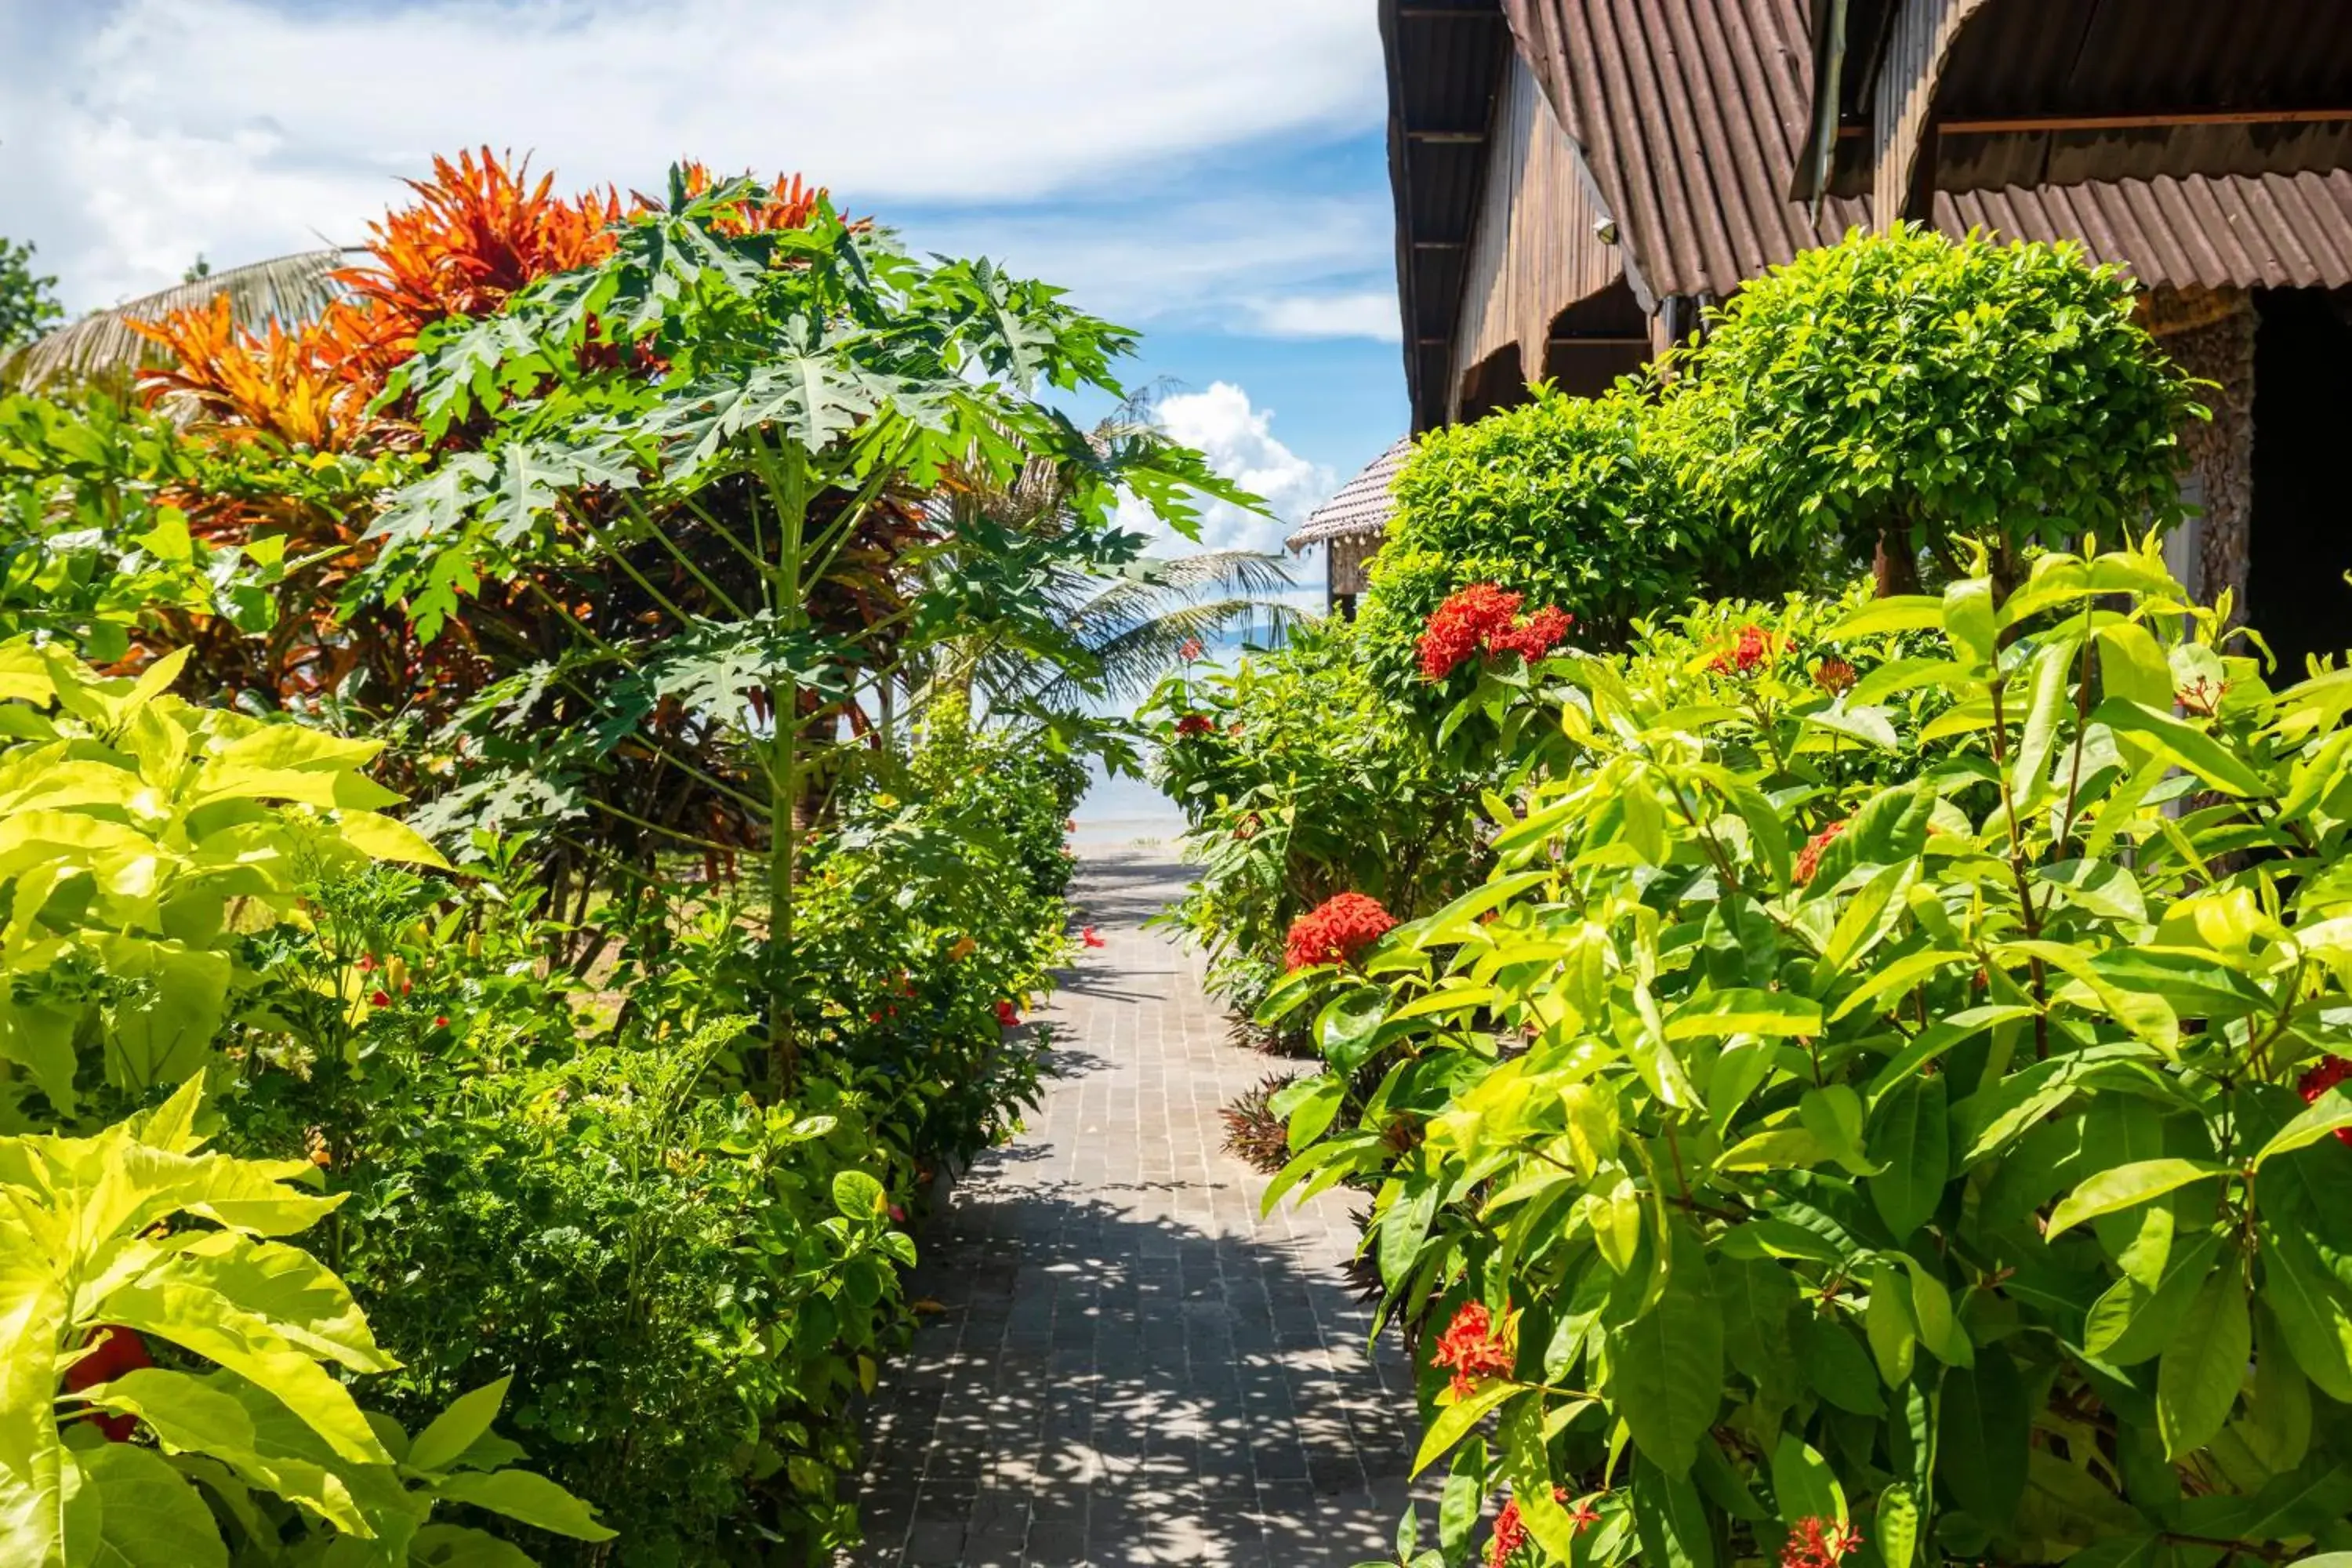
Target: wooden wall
[(1533, 252)]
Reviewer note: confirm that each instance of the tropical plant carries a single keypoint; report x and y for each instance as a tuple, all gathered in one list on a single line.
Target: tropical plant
[(139, 1234), (1794, 1154), (727, 431), (142, 837), (1896, 390), (27, 304)]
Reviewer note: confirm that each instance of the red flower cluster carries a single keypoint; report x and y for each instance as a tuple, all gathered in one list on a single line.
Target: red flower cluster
[(1511, 1531), (1337, 930), (1470, 1347), (1756, 646), (2331, 1071), (1007, 1016), (1809, 859), (1833, 675), (1484, 618), (1092, 938), (1194, 724), (2201, 697), (113, 1352), (1817, 1543)]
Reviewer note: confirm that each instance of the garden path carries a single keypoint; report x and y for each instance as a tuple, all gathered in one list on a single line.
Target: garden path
[(1131, 1366)]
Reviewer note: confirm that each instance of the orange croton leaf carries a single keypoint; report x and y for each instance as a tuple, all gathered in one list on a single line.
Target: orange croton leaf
[(247, 384)]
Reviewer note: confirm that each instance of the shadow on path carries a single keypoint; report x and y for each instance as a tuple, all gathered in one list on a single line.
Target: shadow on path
[(1129, 1365)]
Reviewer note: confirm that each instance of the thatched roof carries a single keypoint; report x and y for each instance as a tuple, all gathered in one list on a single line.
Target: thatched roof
[(1362, 505)]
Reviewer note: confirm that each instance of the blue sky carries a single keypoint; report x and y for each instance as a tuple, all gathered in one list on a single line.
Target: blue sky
[(1212, 173)]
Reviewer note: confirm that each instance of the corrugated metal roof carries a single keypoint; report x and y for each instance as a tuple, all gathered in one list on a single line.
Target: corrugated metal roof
[(1690, 113), (1362, 505), (2281, 231)]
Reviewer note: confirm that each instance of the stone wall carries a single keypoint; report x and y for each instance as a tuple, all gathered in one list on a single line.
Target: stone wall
[(2210, 333)]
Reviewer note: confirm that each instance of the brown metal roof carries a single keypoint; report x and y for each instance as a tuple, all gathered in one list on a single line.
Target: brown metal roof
[(1690, 113), (1362, 505), (2281, 231)]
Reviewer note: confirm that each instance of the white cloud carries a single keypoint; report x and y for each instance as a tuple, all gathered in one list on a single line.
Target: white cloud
[(1239, 442), (1360, 314), (139, 131)]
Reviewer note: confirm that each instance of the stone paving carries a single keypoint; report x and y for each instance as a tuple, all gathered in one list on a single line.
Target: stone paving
[(1131, 1366)]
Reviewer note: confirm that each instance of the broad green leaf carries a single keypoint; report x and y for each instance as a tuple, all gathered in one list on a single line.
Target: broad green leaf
[(1665, 1368), (2331, 1113), (2198, 1377), (455, 1546), (1895, 613), (520, 1495), (447, 1437), (1868, 725), (1910, 1141), (1836, 1365), (147, 1514), (1898, 1525), (2311, 1312), (1832, 1113), (1455, 1421), (381, 837), (1745, 1012), (2132, 1321), (2132, 667), (1670, 1519), (186, 1414), (2128, 1186), (1888, 1324), (1968, 617), (1465, 1496), (2182, 744), (2101, 887), (857, 1196), (1981, 1440), (1405, 1225), (1803, 1484)]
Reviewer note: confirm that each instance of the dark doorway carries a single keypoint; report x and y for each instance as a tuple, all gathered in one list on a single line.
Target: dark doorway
[(1595, 340), (2300, 543), (1495, 383)]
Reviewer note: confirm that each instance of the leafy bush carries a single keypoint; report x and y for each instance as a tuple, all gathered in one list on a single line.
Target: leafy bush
[(137, 1233), (1918, 387), (144, 836), (1299, 779), (1790, 1150), (1579, 504)]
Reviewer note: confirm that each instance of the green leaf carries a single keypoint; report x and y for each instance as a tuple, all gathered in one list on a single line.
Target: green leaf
[(520, 1495), (1745, 1012), (2181, 744), (1982, 1439), (2331, 1113), (2198, 1378), (1898, 1525), (1832, 1114), (455, 1430), (1894, 613), (1665, 1368), (2311, 1309), (858, 1196), (2128, 1186), (1968, 617), (1405, 1225), (1803, 1484), (1464, 1497), (1912, 1147), (1837, 1366), (186, 1414), (1888, 1324), (1455, 1421), (148, 1515), (2100, 886), (1670, 1519), (455, 1546), (2132, 1322)]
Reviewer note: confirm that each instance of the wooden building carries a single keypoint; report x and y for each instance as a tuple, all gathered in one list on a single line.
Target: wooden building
[(1576, 179)]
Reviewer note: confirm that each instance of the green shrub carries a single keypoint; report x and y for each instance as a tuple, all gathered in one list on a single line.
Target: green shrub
[(1578, 504), (1918, 386), (1787, 1146)]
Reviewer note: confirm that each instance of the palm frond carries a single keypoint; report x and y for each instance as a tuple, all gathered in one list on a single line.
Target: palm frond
[(1130, 660), (101, 346)]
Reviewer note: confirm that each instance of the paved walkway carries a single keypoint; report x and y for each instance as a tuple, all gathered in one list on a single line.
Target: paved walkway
[(1133, 1367)]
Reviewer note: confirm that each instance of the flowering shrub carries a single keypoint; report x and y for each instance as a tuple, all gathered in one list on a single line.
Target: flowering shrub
[(1336, 930), (1483, 619), (1974, 1194)]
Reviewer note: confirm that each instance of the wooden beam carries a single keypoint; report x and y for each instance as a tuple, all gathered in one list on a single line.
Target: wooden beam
[(1439, 244), (1445, 137), (2027, 124), (1470, 13), (1597, 340)]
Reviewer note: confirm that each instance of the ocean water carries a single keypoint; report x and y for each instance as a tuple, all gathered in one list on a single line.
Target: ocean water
[(1130, 810)]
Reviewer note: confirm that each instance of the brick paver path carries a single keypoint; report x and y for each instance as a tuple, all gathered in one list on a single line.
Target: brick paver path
[(1133, 1367)]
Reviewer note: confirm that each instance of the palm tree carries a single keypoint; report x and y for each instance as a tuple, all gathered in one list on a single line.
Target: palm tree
[(101, 347), (1125, 627)]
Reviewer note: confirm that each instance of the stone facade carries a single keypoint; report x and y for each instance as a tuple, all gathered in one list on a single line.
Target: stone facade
[(2210, 333)]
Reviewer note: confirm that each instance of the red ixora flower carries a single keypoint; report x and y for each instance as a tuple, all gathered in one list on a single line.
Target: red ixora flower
[(1470, 1347), (1192, 649), (1336, 930), (1008, 1016), (1756, 646), (1511, 1530), (1833, 675), (379, 999), (1809, 859), (1484, 618), (2201, 697), (2330, 1071), (1818, 1543), (1092, 938), (1195, 725)]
